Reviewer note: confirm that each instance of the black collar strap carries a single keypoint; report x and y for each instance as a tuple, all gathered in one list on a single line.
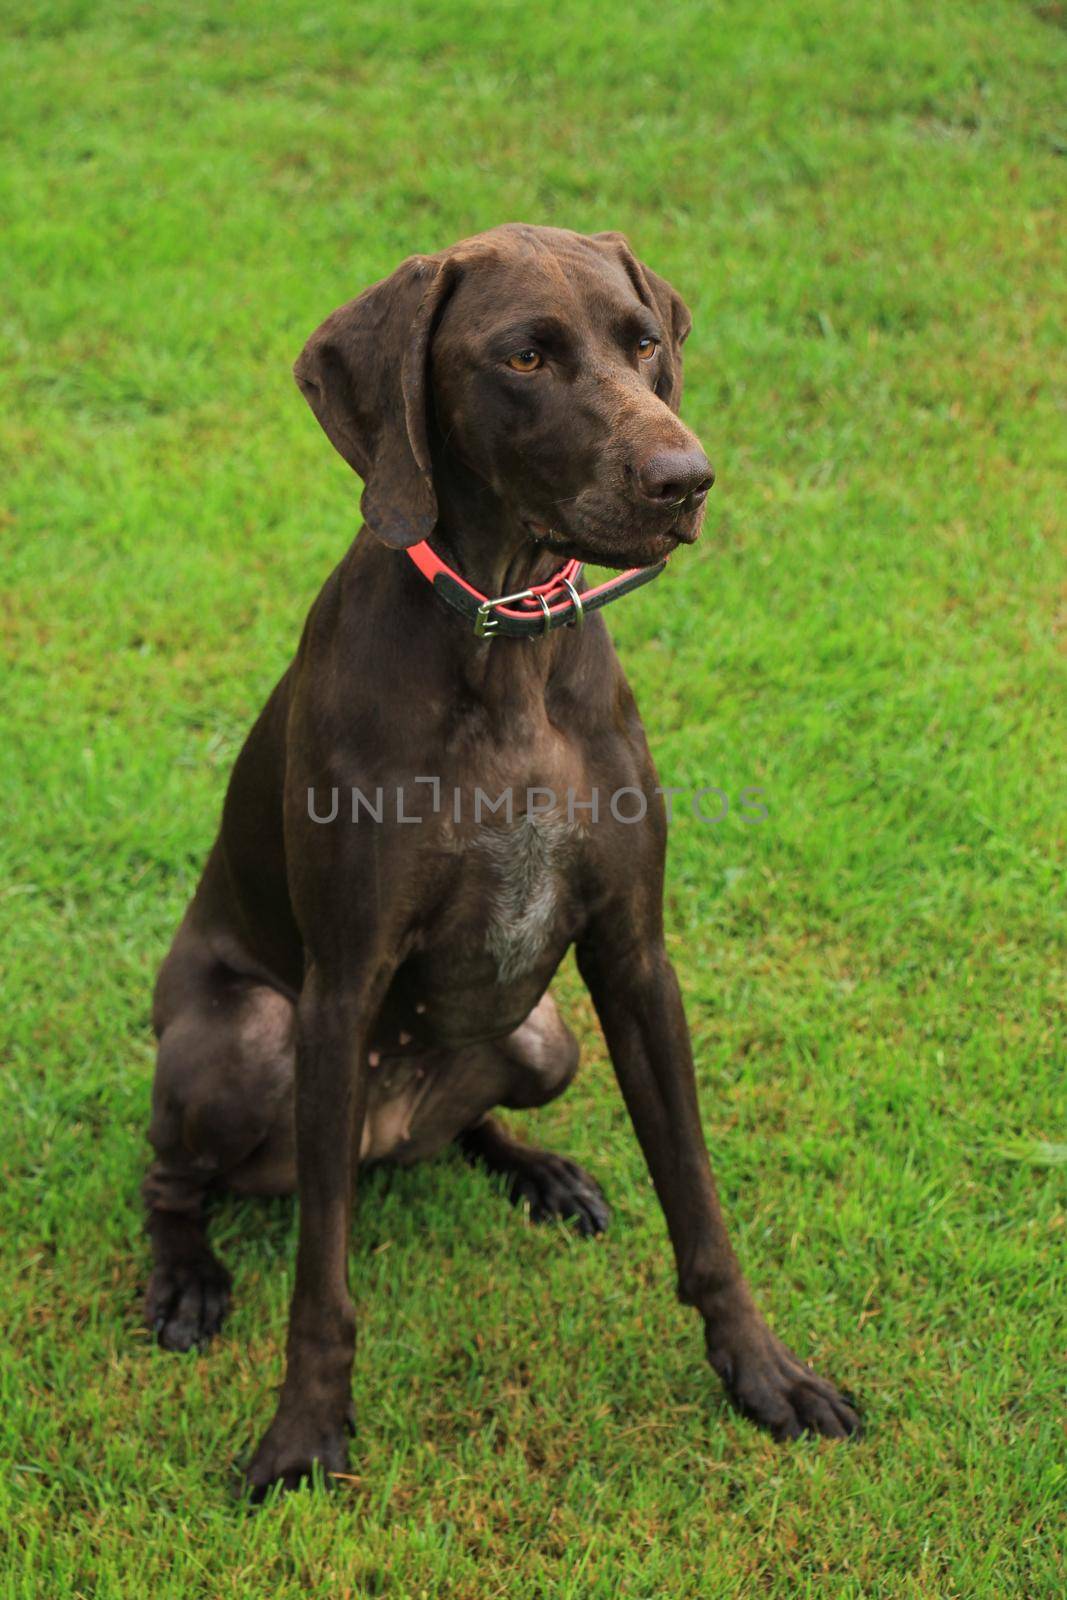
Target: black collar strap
[(532, 612)]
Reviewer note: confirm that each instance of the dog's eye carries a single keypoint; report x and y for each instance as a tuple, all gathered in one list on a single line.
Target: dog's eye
[(525, 361), (646, 348)]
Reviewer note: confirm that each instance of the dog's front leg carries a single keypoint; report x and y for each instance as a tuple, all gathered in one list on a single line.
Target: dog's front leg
[(314, 1415), (636, 995)]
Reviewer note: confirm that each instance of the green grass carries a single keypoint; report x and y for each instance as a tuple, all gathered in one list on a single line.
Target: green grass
[(861, 205)]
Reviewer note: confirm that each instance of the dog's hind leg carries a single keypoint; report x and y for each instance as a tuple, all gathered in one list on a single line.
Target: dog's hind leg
[(543, 1056), (221, 1115)]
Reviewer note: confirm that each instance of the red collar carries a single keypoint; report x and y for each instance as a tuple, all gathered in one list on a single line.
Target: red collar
[(556, 603)]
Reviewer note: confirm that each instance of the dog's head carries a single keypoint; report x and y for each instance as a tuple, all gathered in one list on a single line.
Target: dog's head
[(542, 364)]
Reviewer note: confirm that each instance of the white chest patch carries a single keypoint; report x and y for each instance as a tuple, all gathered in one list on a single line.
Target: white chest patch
[(528, 858)]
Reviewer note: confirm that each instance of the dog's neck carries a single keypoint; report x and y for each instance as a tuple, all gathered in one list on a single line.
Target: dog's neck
[(479, 535), (490, 548), (508, 676), (498, 557)]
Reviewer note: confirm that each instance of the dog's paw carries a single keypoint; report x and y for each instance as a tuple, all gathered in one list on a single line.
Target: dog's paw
[(555, 1187), (298, 1448), (770, 1386), (186, 1301)]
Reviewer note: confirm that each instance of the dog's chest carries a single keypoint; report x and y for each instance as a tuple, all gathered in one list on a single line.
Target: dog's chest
[(526, 864)]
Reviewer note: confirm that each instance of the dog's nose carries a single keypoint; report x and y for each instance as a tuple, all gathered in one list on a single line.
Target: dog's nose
[(669, 476)]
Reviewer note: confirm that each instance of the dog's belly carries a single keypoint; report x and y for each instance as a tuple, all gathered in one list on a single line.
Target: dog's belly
[(398, 1087), (420, 1098), (445, 1004)]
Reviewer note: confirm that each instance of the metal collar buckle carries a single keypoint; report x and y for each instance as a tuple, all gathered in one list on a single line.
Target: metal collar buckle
[(486, 625)]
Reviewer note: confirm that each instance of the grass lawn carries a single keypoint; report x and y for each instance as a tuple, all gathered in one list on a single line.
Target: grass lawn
[(862, 206)]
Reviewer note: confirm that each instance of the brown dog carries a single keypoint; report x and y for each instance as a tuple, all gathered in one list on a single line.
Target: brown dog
[(363, 973)]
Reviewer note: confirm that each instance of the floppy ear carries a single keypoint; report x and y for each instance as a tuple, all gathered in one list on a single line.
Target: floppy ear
[(658, 294), (364, 374)]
